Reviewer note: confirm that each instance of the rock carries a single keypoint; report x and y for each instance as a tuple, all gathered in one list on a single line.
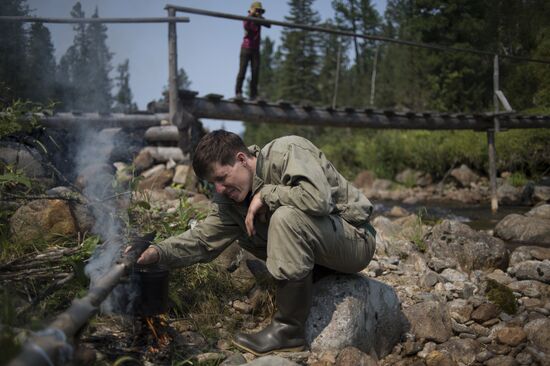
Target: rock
[(211, 358), (524, 358), (353, 310), (354, 356), (83, 215), (440, 264), (526, 253), (532, 270), (453, 240), (500, 277), (242, 307), (460, 310), (271, 361), (542, 211), (157, 169), (429, 320), (509, 195), (410, 177), (541, 194), (501, 361), (23, 158), (156, 181), (538, 332), (515, 227), (181, 174), (452, 275), (397, 211), (411, 347), (234, 359), (461, 350), (429, 279), (143, 161), (364, 179), (464, 175), (511, 336), (531, 288), (485, 312), (438, 358), (42, 220)]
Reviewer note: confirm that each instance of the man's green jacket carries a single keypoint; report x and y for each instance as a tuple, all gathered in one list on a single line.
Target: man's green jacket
[(290, 171)]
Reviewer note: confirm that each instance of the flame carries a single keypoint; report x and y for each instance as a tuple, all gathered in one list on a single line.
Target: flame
[(162, 338)]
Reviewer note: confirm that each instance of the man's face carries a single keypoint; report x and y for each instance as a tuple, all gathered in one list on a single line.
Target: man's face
[(233, 181)]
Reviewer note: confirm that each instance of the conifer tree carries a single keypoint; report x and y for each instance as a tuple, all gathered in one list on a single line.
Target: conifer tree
[(41, 64), (12, 50), (123, 98), (299, 67), (99, 66)]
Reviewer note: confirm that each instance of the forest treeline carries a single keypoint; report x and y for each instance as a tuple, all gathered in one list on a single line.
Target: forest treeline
[(325, 69), (81, 80), (304, 68)]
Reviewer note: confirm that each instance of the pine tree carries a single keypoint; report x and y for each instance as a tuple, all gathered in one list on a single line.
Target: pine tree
[(99, 66), (299, 52), (333, 60), (41, 64), (123, 98), (12, 50)]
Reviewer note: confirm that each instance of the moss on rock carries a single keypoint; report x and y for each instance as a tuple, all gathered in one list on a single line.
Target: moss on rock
[(502, 297)]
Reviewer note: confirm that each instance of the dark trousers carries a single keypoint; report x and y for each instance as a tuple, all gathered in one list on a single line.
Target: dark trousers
[(252, 57)]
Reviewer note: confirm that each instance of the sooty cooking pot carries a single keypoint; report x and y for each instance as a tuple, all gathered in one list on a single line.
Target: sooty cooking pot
[(153, 288)]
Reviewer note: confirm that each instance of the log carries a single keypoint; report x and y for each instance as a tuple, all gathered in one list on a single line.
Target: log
[(51, 345), (162, 134), (163, 154)]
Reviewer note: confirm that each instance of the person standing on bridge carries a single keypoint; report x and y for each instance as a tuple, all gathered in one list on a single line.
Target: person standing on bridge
[(250, 51), (286, 204)]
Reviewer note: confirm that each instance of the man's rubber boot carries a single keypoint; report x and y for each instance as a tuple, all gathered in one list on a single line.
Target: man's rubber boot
[(286, 333)]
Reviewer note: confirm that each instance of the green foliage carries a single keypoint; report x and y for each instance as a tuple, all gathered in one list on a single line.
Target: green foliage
[(203, 291), (501, 296), (517, 179), (417, 236), (18, 116)]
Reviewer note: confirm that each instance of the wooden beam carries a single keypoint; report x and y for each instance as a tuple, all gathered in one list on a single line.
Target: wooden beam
[(286, 113), (92, 20)]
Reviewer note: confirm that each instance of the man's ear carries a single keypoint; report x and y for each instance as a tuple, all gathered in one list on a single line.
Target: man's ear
[(241, 157)]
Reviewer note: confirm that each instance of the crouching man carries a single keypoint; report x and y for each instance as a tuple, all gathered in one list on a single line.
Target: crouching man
[(286, 204)]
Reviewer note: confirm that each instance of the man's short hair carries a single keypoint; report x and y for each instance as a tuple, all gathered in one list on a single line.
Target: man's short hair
[(217, 147)]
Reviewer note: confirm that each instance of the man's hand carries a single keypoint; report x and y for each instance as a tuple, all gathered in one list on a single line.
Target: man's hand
[(149, 256), (255, 205)]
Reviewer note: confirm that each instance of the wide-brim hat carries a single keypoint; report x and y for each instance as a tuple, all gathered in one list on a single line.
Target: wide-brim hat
[(257, 5)]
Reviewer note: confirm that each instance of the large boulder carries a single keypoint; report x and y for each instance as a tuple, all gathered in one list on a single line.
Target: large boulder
[(469, 249), (532, 228), (354, 310), (82, 214), (42, 219)]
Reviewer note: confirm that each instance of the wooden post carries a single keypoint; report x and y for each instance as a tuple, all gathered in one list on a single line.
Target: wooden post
[(172, 68), (336, 80), (491, 139), (373, 77)]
